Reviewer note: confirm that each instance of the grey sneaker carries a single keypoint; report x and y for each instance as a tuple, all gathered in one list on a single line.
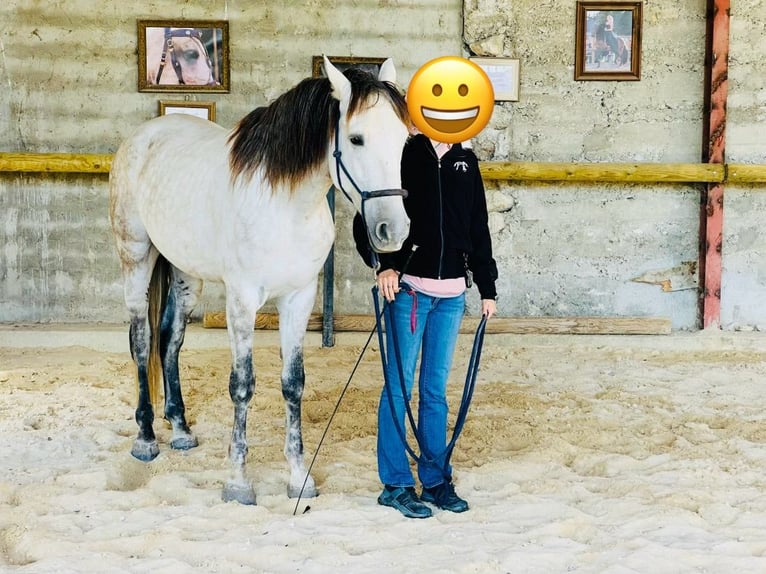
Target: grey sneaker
[(405, 500), (443, 496)]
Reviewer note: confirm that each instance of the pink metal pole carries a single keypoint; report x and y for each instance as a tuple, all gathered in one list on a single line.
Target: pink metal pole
[(714, 149)]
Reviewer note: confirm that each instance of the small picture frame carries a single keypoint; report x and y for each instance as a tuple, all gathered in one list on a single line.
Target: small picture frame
[(608, 41), (504, 75), (183, 56), (204, 110), (343, 62)]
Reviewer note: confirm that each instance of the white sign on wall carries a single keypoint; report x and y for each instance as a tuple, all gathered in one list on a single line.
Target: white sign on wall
[(504, 75)]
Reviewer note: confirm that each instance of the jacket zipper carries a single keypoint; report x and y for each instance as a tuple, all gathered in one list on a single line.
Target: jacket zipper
[(441, 208), (441, 215)]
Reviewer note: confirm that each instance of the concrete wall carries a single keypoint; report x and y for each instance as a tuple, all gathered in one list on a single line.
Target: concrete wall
[(577, 249), (563, 249)]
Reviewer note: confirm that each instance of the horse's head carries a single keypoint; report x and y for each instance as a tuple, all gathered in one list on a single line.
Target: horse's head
[(366, 154)]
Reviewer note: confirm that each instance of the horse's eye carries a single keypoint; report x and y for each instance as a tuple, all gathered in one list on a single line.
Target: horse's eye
[(191, 55), (356, 140)]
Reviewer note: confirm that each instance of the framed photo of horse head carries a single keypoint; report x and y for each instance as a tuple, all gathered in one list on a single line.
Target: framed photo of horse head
[(183, 56), (608, 41)]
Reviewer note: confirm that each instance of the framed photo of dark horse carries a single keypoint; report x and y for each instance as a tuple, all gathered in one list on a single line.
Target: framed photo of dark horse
[(183, 56), (608, 41), (343, 62)]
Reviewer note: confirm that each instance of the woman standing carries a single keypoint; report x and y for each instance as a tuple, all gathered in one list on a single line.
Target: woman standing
[(448, 248)]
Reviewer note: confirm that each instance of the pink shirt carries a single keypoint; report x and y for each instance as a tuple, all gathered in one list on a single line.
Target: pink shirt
[(436, 287)]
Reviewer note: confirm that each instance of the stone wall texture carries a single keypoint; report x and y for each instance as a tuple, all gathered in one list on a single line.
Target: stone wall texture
[(68, 84)]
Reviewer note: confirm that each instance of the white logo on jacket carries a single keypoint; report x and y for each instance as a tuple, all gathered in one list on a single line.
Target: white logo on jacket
[(461, 165)]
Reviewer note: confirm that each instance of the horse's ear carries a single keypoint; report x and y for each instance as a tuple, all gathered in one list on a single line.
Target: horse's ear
[(341, 87), (387, 71)]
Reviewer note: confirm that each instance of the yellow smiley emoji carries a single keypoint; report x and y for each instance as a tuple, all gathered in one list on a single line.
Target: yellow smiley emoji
[(450, 99)]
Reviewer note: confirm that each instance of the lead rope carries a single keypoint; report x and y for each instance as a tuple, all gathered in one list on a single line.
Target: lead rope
[(465, 401)]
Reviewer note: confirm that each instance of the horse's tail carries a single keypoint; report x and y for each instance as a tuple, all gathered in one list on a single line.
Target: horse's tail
[(159, 287)]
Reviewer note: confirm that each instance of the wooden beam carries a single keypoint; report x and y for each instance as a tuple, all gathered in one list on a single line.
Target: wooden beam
[(498, 325), (744, 173), (55, 162), (596, 172), (26, 162), (714, 152)]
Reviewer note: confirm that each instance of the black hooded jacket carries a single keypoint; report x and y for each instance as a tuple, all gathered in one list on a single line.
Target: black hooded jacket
[(448, 213)]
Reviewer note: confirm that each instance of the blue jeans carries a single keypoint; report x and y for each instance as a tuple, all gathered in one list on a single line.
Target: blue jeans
[(437, 323)]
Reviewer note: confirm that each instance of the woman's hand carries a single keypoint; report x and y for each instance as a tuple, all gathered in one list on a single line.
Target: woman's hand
[(488, 307), (388, 284)]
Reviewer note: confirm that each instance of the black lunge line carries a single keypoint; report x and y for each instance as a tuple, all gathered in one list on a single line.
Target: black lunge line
[(332, 415), (465, 401)]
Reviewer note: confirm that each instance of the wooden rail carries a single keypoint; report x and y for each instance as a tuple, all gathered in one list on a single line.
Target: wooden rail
[(596, 172), (23, 162), (55, 163), (745, 173), (512, 325)]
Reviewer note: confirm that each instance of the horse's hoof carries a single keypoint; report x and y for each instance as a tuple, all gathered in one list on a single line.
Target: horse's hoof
[(238, 492), (145, 450), (184, 442), (309, 491)]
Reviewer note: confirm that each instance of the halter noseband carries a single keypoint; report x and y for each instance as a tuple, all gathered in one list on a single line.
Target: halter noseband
[(365, 195), (168, 47)]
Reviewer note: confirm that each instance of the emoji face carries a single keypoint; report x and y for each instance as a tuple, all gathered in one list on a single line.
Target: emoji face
[(450, 99)]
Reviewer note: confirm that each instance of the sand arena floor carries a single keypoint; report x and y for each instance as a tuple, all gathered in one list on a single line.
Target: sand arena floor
[(581, 454)]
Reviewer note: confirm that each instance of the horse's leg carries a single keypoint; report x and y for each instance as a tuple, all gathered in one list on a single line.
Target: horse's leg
[(240, 319), (137, 273), (294, 312), (182, 297)]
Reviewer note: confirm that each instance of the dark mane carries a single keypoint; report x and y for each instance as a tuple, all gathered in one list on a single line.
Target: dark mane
[(289, 138)]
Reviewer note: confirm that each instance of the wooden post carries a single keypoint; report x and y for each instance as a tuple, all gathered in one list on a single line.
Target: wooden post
[(714, 152), (328, 283)]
